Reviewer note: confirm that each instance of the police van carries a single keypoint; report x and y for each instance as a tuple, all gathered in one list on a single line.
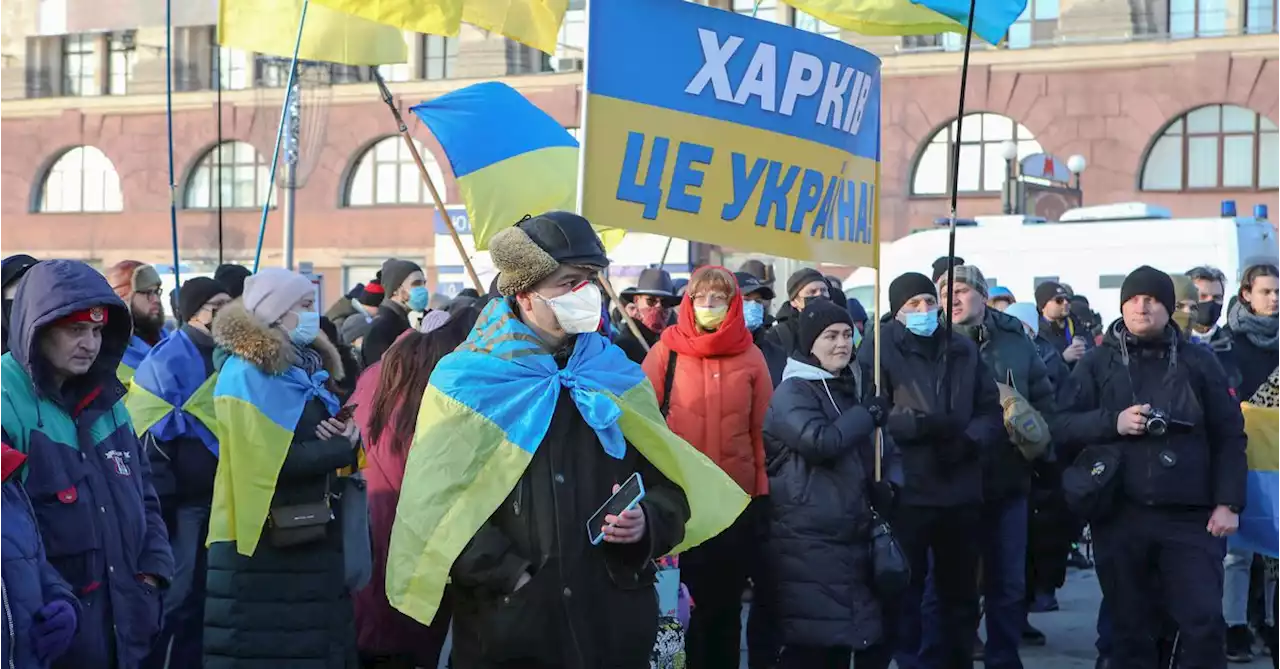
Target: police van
[(1090, 248)]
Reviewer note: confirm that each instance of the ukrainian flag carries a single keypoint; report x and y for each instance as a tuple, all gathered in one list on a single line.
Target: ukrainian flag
[(133, 356), (1260, 522), (271, 27), (256, 414), (532, 22), (991, 20), (170, 395), (510, 158), (482, 418)]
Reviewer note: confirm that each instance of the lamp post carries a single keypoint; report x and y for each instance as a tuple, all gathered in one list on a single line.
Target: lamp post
[(1009, 195), (1076, 165)]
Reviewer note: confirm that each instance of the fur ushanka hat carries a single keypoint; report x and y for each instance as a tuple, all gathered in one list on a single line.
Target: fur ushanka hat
[(534, 248)]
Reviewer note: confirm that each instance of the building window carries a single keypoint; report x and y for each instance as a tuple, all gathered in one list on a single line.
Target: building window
[(124, 54), (523, 59), (232, 66), (1214, 147), (572, 40), (1036, 25), (79, 65), (439, 57), (385, 174), (813, 24), (1260, 17), (762, 9), (1197, 18), (347, 74), (231, 175), (270, 71), (82, 180), (982, 168)]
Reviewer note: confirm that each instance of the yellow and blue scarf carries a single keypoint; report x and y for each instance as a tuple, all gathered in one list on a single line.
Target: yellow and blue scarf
[(170, 395)]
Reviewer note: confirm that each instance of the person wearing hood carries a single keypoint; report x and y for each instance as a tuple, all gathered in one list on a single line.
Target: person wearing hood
[(87, 474), (803, 286), (138, 284), (756, 297), (714, 386), (1164, 407), (943, 452), (1011, 358), (11, 272), (171, 404), (819, 436), (649, 305), (232, 277), (406, 291), (276, 590)]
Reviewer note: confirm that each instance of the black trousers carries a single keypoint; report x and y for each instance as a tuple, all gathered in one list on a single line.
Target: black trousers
[(951, 535), (816, 657), (716, 574), (1145, 555)]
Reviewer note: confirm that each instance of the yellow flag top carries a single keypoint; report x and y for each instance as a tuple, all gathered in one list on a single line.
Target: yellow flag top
[(271, 27)]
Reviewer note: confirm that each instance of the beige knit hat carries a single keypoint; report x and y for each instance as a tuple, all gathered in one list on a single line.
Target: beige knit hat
[(272, 292)]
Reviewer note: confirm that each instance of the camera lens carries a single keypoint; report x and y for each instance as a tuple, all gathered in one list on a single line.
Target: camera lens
[(1157, 425)]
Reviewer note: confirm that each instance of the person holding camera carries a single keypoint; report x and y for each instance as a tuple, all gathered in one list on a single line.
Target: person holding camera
[(1165, 406)]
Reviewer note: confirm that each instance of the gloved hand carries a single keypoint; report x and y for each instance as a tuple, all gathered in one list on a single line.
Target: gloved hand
[(55, 626), (883, 497), (941, 426), (878, 407)]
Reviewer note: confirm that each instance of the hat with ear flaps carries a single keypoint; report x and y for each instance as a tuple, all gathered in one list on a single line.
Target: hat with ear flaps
[(535, 247)]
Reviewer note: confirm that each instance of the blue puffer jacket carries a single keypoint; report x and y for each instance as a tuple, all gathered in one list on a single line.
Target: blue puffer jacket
[(29, 581), (88, 478)]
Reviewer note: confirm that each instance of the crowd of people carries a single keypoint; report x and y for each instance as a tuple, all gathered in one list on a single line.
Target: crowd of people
[(223, 491)]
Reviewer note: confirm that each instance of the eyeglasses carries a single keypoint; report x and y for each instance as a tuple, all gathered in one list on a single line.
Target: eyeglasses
[(648, 301), (156, 293), (1060, 300)]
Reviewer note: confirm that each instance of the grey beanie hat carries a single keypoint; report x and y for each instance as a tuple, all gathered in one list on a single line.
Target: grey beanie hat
[(272, 292), (395, 271), (969, 275)]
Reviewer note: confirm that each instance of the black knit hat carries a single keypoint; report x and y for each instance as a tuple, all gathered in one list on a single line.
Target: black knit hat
[(817, 316), (395, 271), (1149, 281), (801, 278), (194, 293), (372, 294), (906, 287), (1048, 291), (232, 276), (940, 266)]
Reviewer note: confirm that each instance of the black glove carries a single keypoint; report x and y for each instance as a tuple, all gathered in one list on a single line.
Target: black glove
[(941, 426), (883, 497), (878, 407)]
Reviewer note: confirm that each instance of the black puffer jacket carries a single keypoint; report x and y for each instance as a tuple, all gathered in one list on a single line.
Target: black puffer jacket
[(1200, 461), (818, 443), (785, 332), (913, 370), (587, 607), (391, 321), (774, 356)]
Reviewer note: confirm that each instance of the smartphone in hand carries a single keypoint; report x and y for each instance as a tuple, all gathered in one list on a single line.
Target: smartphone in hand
[(627, 498), (345, 413)]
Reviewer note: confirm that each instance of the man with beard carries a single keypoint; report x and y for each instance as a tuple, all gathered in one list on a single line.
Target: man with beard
[(138, 284), (649, 305), (12, 271)]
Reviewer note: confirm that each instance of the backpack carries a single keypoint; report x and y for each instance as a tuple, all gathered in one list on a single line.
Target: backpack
[(1027, 429)]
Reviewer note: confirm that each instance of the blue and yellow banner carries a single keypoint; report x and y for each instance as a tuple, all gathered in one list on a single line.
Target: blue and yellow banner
[(1260, 521), (739, 132), (171, 396), (991, 19), (133, 355)]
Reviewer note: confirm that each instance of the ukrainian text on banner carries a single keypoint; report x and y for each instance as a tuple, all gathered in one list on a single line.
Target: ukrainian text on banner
[(731, 130)]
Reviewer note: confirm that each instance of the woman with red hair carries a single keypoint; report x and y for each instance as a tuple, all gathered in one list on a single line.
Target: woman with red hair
[(714, 388)]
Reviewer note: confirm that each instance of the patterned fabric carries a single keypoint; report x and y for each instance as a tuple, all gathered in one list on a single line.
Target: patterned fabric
[(668, 650)]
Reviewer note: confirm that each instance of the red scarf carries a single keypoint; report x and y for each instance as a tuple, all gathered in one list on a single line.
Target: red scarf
[(731, 338)]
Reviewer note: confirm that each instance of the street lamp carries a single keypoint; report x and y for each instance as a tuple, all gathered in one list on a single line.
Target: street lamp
[(1009, 151), (1076, 165)]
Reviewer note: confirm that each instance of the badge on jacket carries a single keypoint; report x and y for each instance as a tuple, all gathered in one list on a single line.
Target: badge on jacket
[(120, 461)]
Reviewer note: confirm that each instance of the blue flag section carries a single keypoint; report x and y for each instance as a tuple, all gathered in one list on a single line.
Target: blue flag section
[(991, 18), (171, 396), (739, 132)]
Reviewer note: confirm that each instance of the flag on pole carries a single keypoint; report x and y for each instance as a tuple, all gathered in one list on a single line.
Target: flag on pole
[(991, 21), (1260, 521), (532, 22), (509, 157), (271, 27)]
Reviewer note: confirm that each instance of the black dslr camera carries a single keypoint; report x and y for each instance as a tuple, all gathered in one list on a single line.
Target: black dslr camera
[(1157, 423)]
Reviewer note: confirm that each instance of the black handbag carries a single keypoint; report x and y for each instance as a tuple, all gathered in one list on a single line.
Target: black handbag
[(1091, 484), (890, 568), (296, 524)]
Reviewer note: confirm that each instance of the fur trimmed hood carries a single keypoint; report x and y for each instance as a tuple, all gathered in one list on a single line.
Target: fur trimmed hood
[(267, 348)]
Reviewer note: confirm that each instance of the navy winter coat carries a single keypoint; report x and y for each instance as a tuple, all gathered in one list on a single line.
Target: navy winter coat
[(29, 581), (88, 477)]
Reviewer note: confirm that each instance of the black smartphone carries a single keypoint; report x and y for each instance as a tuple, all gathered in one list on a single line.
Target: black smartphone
[(627, 497)]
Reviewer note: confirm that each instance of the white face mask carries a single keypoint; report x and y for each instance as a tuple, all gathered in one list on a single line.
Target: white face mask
[(578, 310)]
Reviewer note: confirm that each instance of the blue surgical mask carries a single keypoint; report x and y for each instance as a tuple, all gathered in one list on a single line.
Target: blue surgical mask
[(419, 298), (753, 314), (922, 323), (307, 329)]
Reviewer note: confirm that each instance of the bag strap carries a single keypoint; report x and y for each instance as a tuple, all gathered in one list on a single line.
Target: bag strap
[(1009, 378), (668, 382)]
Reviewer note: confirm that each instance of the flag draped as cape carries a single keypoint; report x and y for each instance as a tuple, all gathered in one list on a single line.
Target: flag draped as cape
[(170, 395), (484, 415), (257, 414)]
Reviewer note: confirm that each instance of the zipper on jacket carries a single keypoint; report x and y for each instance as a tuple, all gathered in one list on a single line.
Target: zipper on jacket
[(515, 504), (8, 621)]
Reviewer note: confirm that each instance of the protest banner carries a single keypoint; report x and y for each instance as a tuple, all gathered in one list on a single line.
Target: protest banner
[(730, 130)]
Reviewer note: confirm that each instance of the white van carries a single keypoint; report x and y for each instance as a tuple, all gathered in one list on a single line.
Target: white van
[(1091, 249)]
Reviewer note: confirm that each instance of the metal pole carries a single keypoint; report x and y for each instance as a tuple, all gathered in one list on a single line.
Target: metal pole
[(168, 103), (292, 148), (955, 185)]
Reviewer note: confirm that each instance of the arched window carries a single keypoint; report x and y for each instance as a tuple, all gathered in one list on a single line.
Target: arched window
[(385, 174), (982, 167), (232, 175), (81, 180), (1218, 146)]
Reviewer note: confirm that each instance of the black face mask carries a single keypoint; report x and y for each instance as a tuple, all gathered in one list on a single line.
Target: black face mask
[(814, 298), (1207, 313)]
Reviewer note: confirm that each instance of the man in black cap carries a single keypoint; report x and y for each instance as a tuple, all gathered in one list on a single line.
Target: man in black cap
[(649, 304), (1059, 325), (1164, 406), (941, 264), (756, 296), (803, 286), (942, 449), (405, 288), (232, 277), (12, 270)]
